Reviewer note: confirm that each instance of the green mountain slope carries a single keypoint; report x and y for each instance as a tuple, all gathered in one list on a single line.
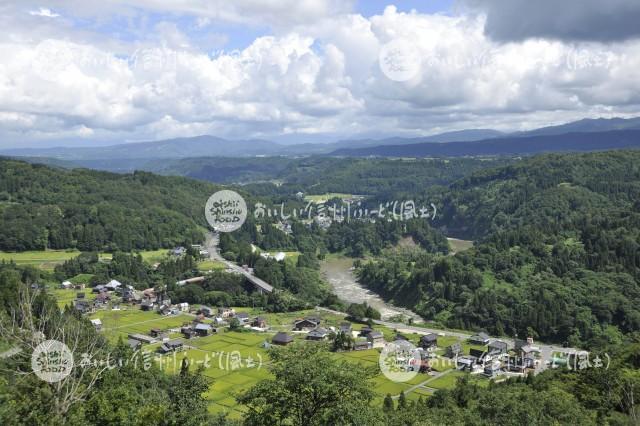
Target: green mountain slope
[(43, 207)]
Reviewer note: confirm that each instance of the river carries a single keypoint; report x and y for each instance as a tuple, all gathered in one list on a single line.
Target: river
[(337, 271)]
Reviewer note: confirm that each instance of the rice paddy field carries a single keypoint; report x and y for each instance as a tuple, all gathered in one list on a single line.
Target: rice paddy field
[(235, 361), (48, 259)]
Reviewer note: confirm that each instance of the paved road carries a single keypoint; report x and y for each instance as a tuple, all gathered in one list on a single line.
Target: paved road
[(211, 244)]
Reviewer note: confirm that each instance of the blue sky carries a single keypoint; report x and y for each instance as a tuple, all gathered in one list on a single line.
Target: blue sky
[(376, 7), (82, 72)]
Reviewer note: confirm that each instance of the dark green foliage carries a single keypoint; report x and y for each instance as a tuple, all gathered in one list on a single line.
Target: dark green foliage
[(558, 257), (52, 208)]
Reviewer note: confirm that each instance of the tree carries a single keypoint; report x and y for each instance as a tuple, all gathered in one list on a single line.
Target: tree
[(402, 401), (310, 387), (188, 405), (388, 405), (234, 324)]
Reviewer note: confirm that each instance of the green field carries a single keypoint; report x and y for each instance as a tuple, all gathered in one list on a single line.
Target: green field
[(43, 259), (217, 352), (48, 259), (210, 265)]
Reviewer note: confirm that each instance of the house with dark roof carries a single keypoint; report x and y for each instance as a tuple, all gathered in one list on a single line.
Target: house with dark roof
[(466, 362), (318, 333), (361, 345), (498, 347), (134, 344), (480, 355), (376, 339), (202, 329), (158, 334), (429, 341), (171, 346), (492, 369), (306, 324), (141, 338), (282, 339), (188, 332), (243, 317), (364, 331), (83, 306), (345, 327), (454, 350), (481, 338), (206, 311)]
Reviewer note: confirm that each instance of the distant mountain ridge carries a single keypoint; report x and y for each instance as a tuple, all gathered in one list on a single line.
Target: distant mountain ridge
[(517, 145), (129, 156)]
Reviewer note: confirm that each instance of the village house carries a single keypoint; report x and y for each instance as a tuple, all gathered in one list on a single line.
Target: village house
[(206, 311), (80, 295), (259, 322), (83, 306), (376, 339), (466, 362), (345, 327), (282, 339), (134, 344), (306, 324), (361, 345), (493, 369), (498, 347), (147, 305), (454, 350), (183, 307), (65, 284), (158, 334), (225, 312), (142, 338), (318, 334), (166, 310), (188, 332), (202, 329), (364, 331), (429, 341), (102, 298), (243, 317), (481, 338), (113, 285), (171, 346)]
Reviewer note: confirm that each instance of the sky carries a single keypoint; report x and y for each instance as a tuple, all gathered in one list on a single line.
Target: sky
[(83, 73)]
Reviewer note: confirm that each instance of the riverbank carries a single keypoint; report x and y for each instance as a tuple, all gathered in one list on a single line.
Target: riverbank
[(338, 272)]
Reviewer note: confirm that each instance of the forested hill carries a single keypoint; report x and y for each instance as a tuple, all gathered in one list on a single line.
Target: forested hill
[(43, 207), (558, 257), (553, 192)]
